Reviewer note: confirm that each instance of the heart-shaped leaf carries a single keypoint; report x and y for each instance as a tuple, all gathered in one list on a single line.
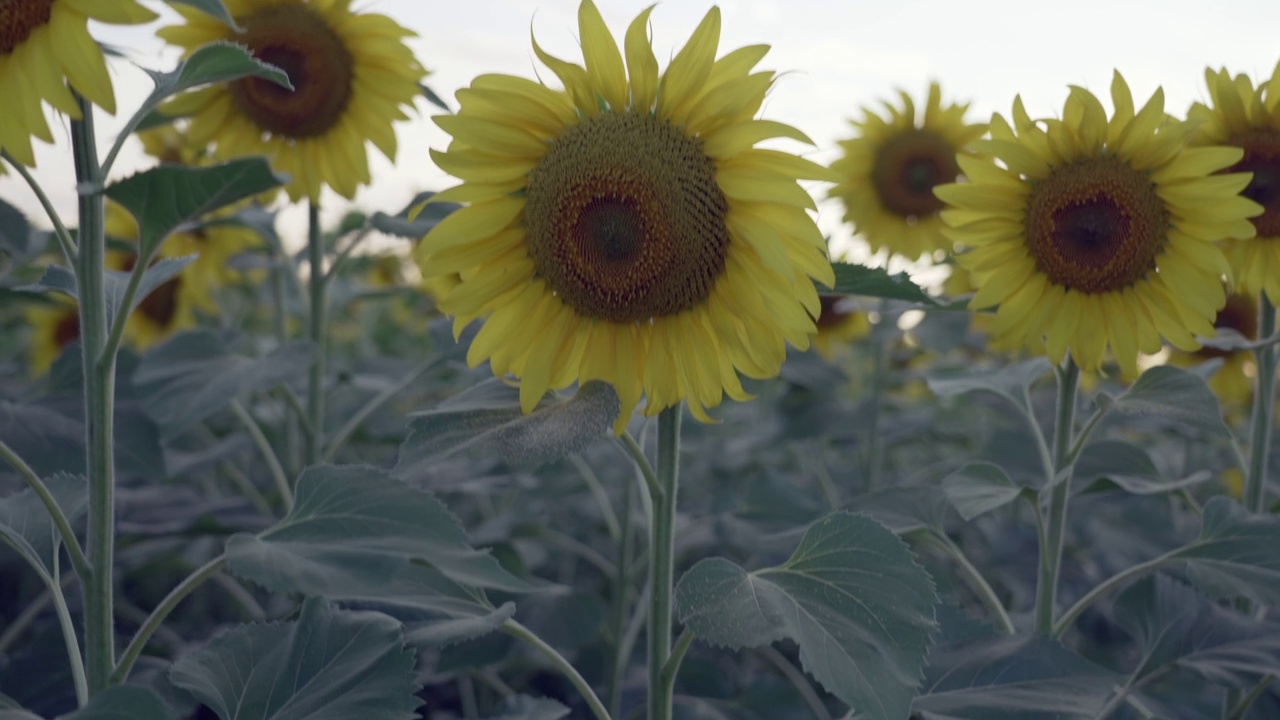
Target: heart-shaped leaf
[(1235, 554), (1174, 393), (328, 665), (980, 487), (852, 597), (1108, 464), (1010, 382)]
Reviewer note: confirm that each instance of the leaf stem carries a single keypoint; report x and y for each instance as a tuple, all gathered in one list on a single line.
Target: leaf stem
[(162, 611), (1106, 586), (671, 668), (353, 423), (1059, 495), (65, 241), (69, 637), (601, 497), (662, 561), (78, 561), (515, 629), (316, 281), (642, 463), (976, 581), (1263, 405), (797, 679), (264, 449), (621, 596)]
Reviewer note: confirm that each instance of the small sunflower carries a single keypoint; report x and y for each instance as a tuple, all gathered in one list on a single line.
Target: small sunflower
[(353, 78), (44, 47), (888, 172), (172, 306), (54, 326), (1098, 232), (1233, 381), (1248, 118), (838, 324), (625, 228), (170, 145)]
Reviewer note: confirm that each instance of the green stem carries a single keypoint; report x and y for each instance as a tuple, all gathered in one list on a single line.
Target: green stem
[(280, 324), (515, 629), (318, 325), (78, 561), (99, 388), (1051, 545), (621, 597), (642, 463), (1106, 586), (264, 448), (157, 616), (65, 241), (1237, 711), (69, 637), (671, 668), (116, 330), (1255, 481), (976, 581), (798, 680), (353, 423), (662, 561), (872, 454), (596, 488)]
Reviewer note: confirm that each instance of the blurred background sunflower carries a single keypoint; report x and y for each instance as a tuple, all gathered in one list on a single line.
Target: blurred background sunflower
[(353, 79)]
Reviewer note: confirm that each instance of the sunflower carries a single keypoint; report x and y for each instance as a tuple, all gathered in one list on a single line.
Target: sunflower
[(170, 145), (1249, 118), (54, 326), (44, 47), (1233, 381), (1098, 232), (838, 324), (888, 172), (172, 306), (353, 78), (625, 228)]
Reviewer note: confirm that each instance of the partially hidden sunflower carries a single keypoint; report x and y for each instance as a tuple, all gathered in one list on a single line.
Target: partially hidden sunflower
[(353, 78), (888, 172), (1233, 381), (838, 325), (45, 53), (1096, 232), (54, 324), (169, 308), (1248, 118), (625, 228)]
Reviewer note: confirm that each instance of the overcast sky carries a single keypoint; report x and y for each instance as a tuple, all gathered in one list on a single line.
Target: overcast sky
[(835, 57)]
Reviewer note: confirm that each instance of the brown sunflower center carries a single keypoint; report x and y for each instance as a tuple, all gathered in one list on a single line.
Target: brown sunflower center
[(625, 220), (162, 304), (19, 18), (833, 311), (67, 330), (297, 40), (907, 168), (1262, 158), (1239, 314), (1095, 225)]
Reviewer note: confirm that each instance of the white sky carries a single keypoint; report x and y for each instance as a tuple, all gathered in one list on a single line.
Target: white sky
[(835, 58)]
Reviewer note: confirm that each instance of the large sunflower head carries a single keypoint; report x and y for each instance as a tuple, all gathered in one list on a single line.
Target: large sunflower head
[(45, 53), (1248, 118), (1096, 231), (625, 228), (353, 78), (888, 172)]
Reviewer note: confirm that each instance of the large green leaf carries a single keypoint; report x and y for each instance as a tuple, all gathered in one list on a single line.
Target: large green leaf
[(328, 665), (164, 197), (26, 526), (355, 526), (488, 418), (1235, 555), (1108, 464), (1011, 383), (1175, 393), (123, 702), (195, 374), (1177, 627), (852, 597), (1028, 677), (979, 487), (877, 282)]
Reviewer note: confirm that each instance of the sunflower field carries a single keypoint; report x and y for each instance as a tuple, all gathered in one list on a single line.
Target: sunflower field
[(651, 409)]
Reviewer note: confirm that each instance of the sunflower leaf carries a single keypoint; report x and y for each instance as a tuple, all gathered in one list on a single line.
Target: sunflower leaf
[(329, 664), (1109, 464), (217, 62), (980, 487), (401, 226), (26, 526), (1234, 556), (356, 526), (851, 596), (1011, 383), (212, 8), (123, 702), (1175, 393), (195, 374), (877, 282), (488, 417), (163, 198)]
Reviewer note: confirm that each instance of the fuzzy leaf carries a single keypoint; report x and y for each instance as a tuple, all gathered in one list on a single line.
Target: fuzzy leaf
[(852, 597), (1108, 464), (877, 282), (980, 487), (328, 665), (357, 527), (1010, 382), (1174, 393), (194, 375), (123, 702), (1235, 554), (487, 417)]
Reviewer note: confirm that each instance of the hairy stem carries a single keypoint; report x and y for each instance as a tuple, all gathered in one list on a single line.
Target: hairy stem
[(1051, 546), (268, 454), (318, 325), (515, 629), (662, 562), (78, 561), (1255, 481), (162, 611)]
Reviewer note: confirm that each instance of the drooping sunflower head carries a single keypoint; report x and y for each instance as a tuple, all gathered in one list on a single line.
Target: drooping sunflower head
[(1248, 118), (625, 228), (889, 169), (353, 78), (46, 52), (1094, 231), (839, 323)]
